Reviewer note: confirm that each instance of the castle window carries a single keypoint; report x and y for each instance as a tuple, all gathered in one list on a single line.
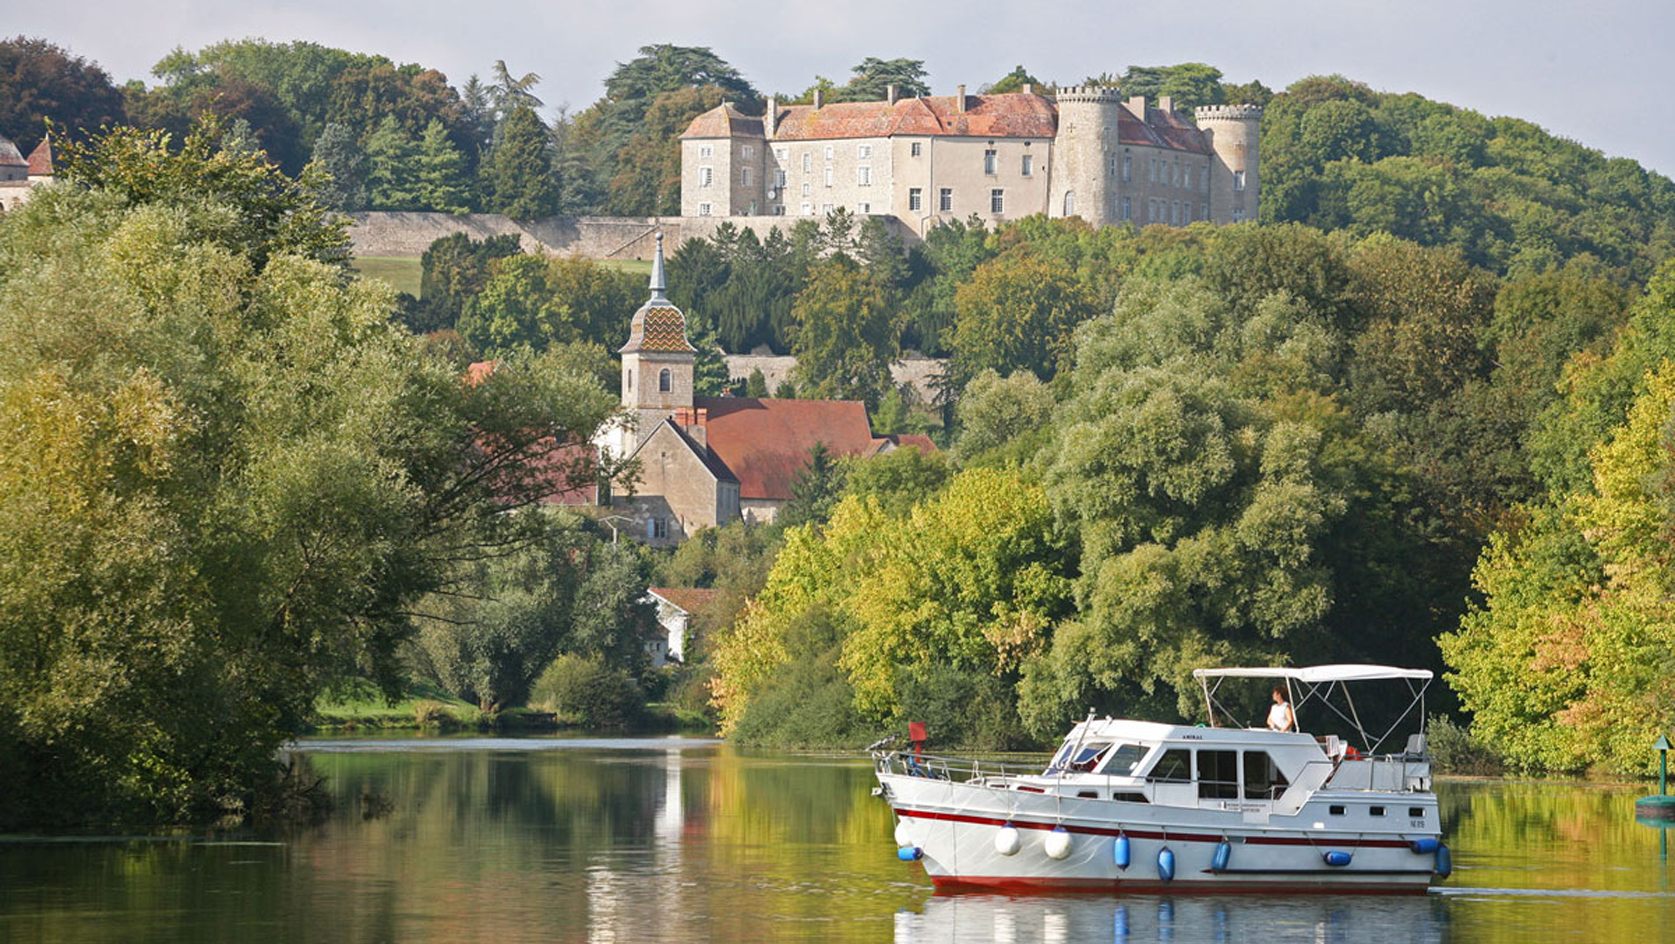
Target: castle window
[(914, 148), (749, 151), (1204, 178), (808, 209), (1029, 165), (1151, 170), (779, 209), (863, 175), (781, 153), (915, 199), (779, 177), (630, 381), (831, 152), (997, 201), (806, 190), (657, 528), (829, 175), (1127, 209), (1175, 213), (863, 208), (744, 176), (665, 380), (863, 151), (1126, 161), (706, 176), (1238, 214), (808, 163), (945, 199), (1238, 180), (1187, 171), (706, 151), (991, 163), (1070, 203), (704, 209), (1203, 211), (1175, 174), (826, 209)]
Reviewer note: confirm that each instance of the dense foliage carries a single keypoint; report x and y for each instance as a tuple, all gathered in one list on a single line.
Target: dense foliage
[(228, 478)]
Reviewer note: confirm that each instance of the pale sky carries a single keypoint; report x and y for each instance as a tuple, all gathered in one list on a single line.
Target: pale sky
[(1592, 71)]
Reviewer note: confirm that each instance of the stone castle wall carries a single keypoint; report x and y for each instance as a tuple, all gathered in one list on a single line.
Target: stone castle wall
[(385, 233), (918, 372)]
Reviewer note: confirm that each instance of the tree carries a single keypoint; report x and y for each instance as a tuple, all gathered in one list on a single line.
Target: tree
[(872, 76), (1190, 84), (815, 489), (338, 154), (519, 171), (535, 302), (647, 177), (756, 385), (664, 68), (452, 271), (392, 159), (238, 493), (846, 335), (1009, 416), (42, 82), (1017, 313), (1015, 81), (512, 92), (442, 182)]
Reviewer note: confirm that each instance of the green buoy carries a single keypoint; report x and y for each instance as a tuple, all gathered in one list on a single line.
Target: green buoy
[(1662, 806)]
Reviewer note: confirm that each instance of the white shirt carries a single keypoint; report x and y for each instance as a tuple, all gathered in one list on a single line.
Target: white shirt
[(1279, 717)]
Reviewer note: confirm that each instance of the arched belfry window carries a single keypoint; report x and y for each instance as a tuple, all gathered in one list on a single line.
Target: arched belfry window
[(1070, 203), (665, 381)]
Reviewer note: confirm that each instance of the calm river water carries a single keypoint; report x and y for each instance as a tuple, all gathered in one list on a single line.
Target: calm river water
[(577, 839)]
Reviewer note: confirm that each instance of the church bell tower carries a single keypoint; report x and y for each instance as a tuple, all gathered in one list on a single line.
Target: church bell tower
[(657, 361)]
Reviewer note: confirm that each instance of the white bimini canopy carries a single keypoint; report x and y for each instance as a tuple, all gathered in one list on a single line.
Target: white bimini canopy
[(1318, 674)]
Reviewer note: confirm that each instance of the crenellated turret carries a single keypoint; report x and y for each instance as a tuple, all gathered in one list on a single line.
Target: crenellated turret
[(1234, 132), (1084, 167)]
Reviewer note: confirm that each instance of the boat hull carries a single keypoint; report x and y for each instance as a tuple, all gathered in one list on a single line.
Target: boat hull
[(955, 826)]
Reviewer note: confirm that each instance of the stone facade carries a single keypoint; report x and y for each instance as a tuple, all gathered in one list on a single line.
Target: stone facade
[(1082, 152)]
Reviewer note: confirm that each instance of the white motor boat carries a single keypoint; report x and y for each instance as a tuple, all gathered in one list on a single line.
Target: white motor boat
[(1140, 806)]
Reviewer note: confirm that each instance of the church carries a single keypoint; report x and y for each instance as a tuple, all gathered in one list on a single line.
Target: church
[(705, 461)]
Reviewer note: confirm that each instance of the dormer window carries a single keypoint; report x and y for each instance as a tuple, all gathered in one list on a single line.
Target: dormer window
[(665, 380)]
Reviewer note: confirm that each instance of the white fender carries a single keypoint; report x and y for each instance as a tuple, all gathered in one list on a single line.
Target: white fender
[(1058, 843), (1007, 840)]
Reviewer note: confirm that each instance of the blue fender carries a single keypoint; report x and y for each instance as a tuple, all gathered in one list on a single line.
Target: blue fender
[(1224, 851), (1425, 846), (1120, 851), (1337, 858), (1166, 864), (1445, 862), (910, 853)]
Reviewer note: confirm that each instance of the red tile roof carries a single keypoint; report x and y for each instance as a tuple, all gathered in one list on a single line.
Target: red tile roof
[(765, 441), (480, 371), (917, 441), (40, 159), (1009, 115), (690, 599), (571, 475)]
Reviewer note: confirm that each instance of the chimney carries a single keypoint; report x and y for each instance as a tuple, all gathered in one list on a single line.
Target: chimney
[(1166, 103), (959, 104), (1029, 88), (1137, 105), (891, 93), (770, 118), (819, 97)]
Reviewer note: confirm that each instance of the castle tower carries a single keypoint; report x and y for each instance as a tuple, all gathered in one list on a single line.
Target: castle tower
[(1233, 132), (657, 361), (1084, 155)]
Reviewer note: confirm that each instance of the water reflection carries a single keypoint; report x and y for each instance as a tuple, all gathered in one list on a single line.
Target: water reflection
[(668, 839), (996, 919)]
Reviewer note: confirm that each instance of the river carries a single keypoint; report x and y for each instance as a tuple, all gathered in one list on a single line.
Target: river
[(671, 839)]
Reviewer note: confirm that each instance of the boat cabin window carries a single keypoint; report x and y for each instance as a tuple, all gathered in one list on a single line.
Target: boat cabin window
[(1263, 780), (1088, 756), (1335, 810), (1129, 797), (1218, 775), (1377, 811), (1088, 794), (1416, 812), (1174, 765), (1124, 759)]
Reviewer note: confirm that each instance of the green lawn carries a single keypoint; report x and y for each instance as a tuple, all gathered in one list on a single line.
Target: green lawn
[(400, 271), (636, 266)]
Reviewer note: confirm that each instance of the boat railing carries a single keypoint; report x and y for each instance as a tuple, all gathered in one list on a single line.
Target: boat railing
[(965, 769)]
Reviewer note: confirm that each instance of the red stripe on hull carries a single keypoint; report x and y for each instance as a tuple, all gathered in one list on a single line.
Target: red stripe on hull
[(980, 883), (1335, 842)]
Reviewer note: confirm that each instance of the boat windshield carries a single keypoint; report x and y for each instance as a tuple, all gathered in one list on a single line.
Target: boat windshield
[(1087, 757)]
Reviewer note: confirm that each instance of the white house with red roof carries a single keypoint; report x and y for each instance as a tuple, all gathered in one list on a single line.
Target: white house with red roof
[(1084, 152), (704, 461), (19, 176)]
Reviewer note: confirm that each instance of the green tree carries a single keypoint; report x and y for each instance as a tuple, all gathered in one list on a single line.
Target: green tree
[(201, 531), (1008, 416), (338, 154), (815, 489), (393, 168), (535, 302), (519, 170), (443, 180), (1190, 84), (846, 335), (1015, 81), (872, 76), (756, 385), (453, 271), (1017, 313)]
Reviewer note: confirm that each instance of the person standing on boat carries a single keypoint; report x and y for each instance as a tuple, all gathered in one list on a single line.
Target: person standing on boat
[(1281, 717)]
